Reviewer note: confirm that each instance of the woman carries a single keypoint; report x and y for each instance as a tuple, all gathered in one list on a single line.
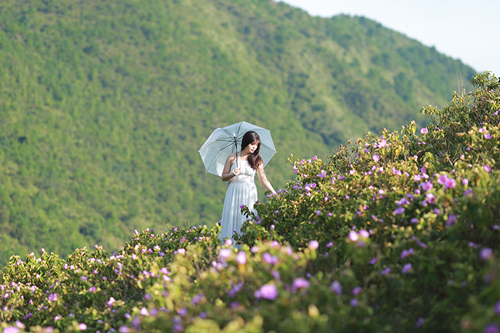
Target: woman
[(240, 168)]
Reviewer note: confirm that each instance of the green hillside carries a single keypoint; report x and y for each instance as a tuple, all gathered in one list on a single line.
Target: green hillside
[(103, 105)]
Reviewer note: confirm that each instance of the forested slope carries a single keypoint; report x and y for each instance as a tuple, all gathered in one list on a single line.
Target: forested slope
[(103, 105)]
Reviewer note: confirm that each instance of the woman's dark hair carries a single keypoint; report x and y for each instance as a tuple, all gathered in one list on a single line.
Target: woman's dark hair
[(254, 160)]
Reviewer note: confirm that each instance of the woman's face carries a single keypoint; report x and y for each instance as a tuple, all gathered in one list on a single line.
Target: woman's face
[(252, 147)]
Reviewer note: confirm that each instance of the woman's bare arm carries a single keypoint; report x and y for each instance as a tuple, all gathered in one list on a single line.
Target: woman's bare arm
[(263, 179), (227, 174)]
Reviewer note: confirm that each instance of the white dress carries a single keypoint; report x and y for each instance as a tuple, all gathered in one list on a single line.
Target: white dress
[(241, 191)]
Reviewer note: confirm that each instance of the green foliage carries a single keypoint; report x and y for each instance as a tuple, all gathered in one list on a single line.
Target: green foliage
[(390, 235), (103, 105)]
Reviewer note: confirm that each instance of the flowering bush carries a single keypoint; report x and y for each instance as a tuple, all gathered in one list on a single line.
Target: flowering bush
[(397, 232)]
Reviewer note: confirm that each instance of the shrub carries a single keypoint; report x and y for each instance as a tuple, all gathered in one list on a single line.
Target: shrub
[(396, 232)]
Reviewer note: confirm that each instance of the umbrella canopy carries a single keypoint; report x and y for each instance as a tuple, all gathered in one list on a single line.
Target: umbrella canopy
[(226, 140)]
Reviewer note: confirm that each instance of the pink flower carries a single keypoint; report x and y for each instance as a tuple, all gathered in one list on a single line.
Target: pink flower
[(224, 253), (313, 245), (267, 291), (424, 130), (363, 233), (442, 179), (353, 236), (450, 183), (426, 186), (241, 258), (376, 158), (300, 283), (487, 168), (487, 136)]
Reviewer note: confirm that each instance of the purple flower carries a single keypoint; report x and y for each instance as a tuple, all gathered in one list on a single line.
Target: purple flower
[(431, 198), (373, 261), (92, 289), (406, 268), (241, 258), (403, 201), (336, 287), (318, 212), (426, 186), (11, 329), (442, 179), (487, 136), (53, 297), (356, 291), (465, 181), (322, 174), (385, 271), (354, 302), (468, 192), (437, 211), (405, 254), (486, 253), (497, 308), (329, 244), (313, 245), (300, 283), (235, 289), (399, 211), (82, 327), (424, 131), (197, 299), (450, 183), (124, 329), (267, 291), (414, 220), (111, 301), (487, 168), (492, 328), (452, 219), (376, 158), (270, 259), (420, 322)]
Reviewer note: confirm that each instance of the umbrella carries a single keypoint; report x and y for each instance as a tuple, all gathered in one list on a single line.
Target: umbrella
[(226, 140)]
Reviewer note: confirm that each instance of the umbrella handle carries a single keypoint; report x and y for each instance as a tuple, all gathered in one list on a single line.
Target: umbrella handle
[(236, 144)]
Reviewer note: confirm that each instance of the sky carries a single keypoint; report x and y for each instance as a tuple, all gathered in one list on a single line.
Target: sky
[(465, 30)]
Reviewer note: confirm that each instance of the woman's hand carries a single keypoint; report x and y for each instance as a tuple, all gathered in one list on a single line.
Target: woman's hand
[(236, 171)]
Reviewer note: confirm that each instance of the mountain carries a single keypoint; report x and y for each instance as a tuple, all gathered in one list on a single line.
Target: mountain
[(103, 105)]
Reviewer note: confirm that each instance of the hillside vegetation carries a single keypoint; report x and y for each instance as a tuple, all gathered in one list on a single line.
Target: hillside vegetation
[(398, 232), (103, 105)]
